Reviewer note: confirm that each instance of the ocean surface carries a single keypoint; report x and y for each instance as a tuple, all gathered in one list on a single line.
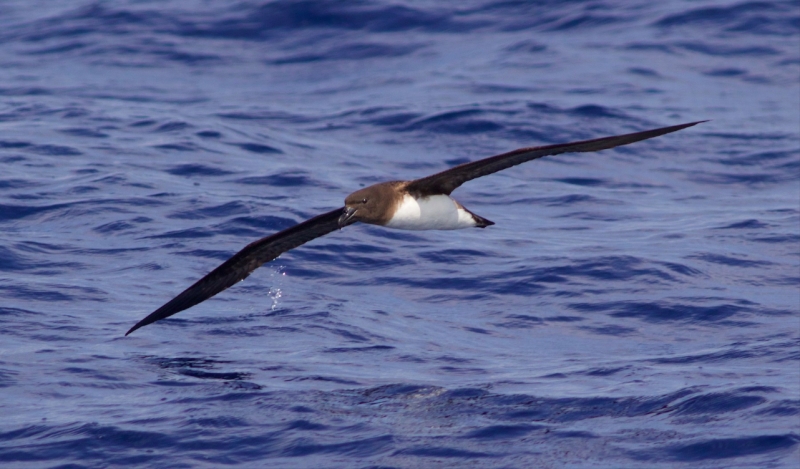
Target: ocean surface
[(637, 307)]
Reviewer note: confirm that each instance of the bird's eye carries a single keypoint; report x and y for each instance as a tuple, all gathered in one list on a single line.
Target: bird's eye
[(363, 201)]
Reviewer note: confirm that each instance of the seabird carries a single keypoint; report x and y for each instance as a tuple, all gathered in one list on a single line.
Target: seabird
[(421, 204)]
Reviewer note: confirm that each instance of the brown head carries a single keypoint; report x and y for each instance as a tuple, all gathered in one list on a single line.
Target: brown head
[(374, 204)]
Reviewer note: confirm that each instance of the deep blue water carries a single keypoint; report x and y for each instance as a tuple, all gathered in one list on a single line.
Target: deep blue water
[(632, 308)]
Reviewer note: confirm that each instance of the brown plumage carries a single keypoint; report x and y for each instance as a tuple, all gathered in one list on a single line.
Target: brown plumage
[(374, 204)]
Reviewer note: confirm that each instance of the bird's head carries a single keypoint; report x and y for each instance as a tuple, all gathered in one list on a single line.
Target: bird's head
[(374, 204)]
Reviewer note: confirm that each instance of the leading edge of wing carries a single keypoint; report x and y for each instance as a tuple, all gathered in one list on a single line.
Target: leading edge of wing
[(238, 267), (448, 180)]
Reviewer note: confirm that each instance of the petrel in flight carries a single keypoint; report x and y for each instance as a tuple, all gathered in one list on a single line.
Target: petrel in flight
[(421, 204)]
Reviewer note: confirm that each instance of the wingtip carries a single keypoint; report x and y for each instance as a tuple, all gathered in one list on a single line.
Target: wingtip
[(695, 123), (672, 128), (136, 326)]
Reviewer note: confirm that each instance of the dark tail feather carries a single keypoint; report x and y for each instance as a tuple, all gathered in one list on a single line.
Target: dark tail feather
[(481, 222)]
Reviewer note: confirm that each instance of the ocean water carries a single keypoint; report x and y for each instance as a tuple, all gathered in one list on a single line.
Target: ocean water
[(637, 307)]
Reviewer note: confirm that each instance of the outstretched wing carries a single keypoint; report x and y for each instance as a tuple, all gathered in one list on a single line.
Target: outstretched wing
[(447, 181), (238, 267)]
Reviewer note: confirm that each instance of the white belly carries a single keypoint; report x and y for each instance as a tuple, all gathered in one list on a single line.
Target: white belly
[(438, 212)]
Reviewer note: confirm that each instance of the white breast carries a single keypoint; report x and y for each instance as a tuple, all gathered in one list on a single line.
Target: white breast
[(437, 212)]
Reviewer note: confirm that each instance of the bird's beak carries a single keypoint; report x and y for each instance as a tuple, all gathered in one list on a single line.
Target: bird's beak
[(346, 216)]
